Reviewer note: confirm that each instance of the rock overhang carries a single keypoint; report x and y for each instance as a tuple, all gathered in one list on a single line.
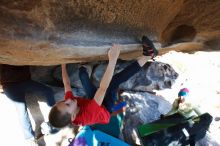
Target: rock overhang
[(50, 32)]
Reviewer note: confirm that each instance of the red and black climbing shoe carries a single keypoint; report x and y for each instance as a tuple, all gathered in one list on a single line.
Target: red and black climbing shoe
[(148, 47)]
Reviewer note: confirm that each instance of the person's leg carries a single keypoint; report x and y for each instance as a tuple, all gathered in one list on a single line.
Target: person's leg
[(88, 86), (200, 126), (41, 90), (17, 95), (128, 72)]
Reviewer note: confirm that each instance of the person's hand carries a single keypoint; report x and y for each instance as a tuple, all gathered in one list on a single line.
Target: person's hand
[(114, 52), (63, 65)]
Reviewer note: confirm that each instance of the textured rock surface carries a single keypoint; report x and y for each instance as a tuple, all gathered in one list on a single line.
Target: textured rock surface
[(157, 76), (141, 108), (48, 32)]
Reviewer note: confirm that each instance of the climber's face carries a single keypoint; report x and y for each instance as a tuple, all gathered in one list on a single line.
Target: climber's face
[(68, 106)]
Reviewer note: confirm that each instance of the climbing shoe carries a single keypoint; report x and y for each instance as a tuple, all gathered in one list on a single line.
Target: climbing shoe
[(148, 47)]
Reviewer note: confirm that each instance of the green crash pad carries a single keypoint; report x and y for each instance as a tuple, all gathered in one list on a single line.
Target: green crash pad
[(150, 128), (160, 124)]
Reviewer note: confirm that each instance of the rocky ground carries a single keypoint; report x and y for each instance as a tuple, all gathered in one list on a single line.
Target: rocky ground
[(199, 72)]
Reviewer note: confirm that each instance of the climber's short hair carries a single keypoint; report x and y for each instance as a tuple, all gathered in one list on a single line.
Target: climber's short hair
[(58, 119)]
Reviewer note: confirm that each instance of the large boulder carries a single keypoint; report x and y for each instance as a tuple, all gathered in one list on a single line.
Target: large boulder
[(153, 75), (50, 32)]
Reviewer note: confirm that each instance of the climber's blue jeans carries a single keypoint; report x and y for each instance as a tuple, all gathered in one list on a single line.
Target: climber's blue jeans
[(16, 93), (117, 79)]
